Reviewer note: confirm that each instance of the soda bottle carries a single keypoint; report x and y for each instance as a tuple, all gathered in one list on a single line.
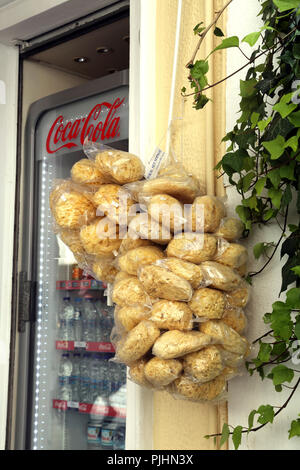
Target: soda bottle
[(78, 319), (119, 438), (75, 377), (64, 375), (66, 320), (89, 319), (107, 433), (84, 367)]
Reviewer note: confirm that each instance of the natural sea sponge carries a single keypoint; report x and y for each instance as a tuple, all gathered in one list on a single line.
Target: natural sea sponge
[(230, 359), (144, 227), (128, 317), (137, 373), (162, 283), (129, 291), (223, 334), (85, 172), (121, 167), (221, 277), (71, 238), (161, 372), (137, 342), (71, 209), (103, 269), (173, 181), (206, 214), (204, 365), (235, 318), (239, 297), (234, 255), (189, 271), (122, 275), (100, 237), (166, 210), (172, 315), (175, 343), (131, 243), (209, 391), (230, 229), (193, 247), (114, 202), (134, 259), (208, 303)]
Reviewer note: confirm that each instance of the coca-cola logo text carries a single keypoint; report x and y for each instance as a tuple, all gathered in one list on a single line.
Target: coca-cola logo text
[(63, 133)]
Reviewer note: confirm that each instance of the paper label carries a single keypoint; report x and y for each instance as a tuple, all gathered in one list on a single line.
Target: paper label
[(154, 164)]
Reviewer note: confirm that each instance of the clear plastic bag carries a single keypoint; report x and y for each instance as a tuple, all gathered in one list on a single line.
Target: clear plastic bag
[(162, 283), (225, 335), (130, 291), (166, 210), (117, 166), (137, 342), (172, 315), (85, 172), (206, 214), (71, 205), (233, 255), (175, 343), (144, 227), (207, 303), (113, 201), (127, 317), (193, 247), (204, 365), (221, 277), (161, 372), (230, 228), (189, 271), (132, 260)]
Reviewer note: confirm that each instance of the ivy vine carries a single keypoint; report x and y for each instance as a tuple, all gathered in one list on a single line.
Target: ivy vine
[(262, 162)]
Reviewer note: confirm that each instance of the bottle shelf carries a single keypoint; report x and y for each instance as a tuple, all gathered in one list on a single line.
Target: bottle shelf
[(89, 346), (118, 412), (87, 284)]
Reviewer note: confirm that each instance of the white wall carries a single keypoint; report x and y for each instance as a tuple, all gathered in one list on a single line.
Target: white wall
[(247, 393), (8, 135)]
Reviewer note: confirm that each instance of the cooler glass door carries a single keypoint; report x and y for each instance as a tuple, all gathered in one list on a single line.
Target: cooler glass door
[(76, 397)]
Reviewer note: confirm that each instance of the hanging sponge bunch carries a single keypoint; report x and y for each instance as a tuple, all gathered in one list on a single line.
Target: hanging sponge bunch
[(175, 264)]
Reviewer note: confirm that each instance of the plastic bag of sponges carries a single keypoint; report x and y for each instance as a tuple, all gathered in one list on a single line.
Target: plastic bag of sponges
[(172, 256)]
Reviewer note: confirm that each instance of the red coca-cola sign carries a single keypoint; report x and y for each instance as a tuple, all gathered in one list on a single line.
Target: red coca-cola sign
[(63, 132)]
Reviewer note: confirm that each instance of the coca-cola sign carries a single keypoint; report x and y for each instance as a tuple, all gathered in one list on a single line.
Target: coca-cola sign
[(63, 133)]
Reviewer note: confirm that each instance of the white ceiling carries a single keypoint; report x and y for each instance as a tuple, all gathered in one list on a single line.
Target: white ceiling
[(3, 3), (111, 35)]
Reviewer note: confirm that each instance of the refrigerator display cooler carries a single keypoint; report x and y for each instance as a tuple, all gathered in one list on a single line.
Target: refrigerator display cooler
[(70, 394)]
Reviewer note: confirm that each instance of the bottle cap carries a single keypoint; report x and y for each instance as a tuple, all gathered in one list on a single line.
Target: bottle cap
[(78, 299), (67, 298)]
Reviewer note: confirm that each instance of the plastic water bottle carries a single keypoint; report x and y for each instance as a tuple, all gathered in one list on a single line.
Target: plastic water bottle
[(89, 319), (66, 320), (107, 325), (64, 375), (106, 384), (115, 376), (75, 377), (94, 434), (119, 438), (78, 319), (84, 367), (95, 371)]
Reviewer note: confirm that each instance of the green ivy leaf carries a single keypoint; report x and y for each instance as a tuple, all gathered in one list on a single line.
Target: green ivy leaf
[(294, 119), (232, 41), (225, 434), (297, 328), (274, 177), (237, 436), (251, 419), (264, 352), (276, 196), (198, 29), (296, 270), (259, 186), (252, 38), (282, 374), (293, 298), (284, 5), (266, 414), (218, 32), (264, 123), (275, 147), (287, 171), (283, 107), (247, 87), (294, 429)]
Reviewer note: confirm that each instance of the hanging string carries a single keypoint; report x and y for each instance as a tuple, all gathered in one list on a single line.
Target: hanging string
[(174, 73)]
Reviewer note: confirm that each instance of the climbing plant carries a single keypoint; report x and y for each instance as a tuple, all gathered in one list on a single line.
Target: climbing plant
[(262, 163)]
